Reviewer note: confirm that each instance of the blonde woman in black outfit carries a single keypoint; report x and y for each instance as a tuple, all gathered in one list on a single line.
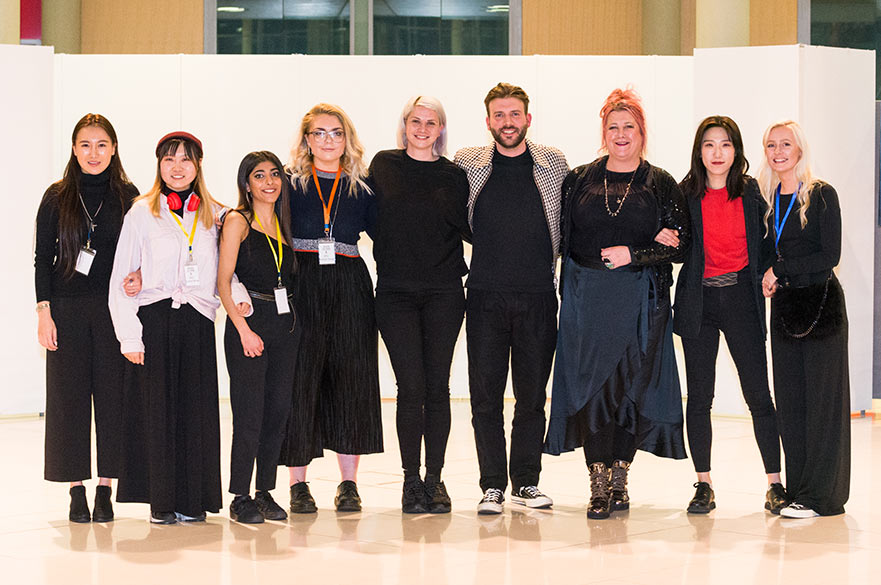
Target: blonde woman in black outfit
[(422, 216), (78, 224), (719, 289), (808, 326)]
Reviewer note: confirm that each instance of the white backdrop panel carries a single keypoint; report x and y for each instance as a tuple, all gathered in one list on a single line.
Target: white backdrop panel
[(26, 128)]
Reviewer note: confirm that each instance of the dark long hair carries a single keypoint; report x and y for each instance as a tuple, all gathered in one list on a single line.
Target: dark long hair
[(695, 182), (72, 224), (282, 204)]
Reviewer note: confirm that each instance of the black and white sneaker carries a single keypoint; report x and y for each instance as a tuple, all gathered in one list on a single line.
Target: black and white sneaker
[(493, 502), (531, 497), (796, 510)]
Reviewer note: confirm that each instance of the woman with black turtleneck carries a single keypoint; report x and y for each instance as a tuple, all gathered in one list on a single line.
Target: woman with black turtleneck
[(78, 224)]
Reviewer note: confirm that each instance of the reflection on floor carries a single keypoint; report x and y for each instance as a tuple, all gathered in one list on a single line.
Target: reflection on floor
[(655, 543)]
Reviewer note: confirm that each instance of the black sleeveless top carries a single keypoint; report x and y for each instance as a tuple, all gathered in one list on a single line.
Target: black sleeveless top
[(255, 265)]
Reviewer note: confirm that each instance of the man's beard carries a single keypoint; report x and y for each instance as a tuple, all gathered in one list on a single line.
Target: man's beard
[(509, 142)]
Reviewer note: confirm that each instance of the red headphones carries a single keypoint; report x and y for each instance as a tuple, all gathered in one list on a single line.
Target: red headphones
[(175, 203)]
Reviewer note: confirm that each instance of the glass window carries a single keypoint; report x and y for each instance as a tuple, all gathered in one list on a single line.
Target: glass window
[(440, 27), (316, 27), (854, 24)]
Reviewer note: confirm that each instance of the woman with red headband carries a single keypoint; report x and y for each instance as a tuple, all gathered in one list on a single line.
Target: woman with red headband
[(616, 388), (77, 227), (171, 438)]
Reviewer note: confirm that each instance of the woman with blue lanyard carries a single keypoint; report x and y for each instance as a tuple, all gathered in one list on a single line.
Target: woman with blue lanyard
[(78, 224), (261, 349), (171, 436), (336, 385), (808, 326)]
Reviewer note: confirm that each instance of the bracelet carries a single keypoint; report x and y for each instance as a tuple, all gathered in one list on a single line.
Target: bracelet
[(42, 305)]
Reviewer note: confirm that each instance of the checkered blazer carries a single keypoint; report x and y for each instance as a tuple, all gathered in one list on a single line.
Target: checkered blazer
[(549, 169)]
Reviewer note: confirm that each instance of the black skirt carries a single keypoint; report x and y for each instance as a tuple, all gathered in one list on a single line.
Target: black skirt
[(171, 437), (336, 401)]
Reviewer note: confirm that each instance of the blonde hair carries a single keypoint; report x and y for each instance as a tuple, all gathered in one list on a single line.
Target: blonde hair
[(194, 153), (768, 179), (439, 148), (351, 162)]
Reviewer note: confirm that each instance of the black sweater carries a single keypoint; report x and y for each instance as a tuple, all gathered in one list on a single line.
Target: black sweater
[(349, 214), (49, 281), (422, 217)]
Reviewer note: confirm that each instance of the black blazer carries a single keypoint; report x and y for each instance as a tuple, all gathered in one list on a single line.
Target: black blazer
[(688, 306)]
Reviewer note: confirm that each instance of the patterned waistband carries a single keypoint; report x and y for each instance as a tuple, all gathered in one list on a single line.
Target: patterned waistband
[(301, 245), (722, 280)]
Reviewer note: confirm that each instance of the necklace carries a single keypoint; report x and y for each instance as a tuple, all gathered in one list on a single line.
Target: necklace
[(618, 200), (91, 218)]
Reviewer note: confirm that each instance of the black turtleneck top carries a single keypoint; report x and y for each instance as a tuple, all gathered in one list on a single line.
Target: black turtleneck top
[(95, 190)]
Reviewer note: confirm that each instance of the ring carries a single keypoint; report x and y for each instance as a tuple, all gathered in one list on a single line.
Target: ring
[(609, 264)]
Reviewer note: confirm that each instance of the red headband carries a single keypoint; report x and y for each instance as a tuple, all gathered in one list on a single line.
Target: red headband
[(178, 134)]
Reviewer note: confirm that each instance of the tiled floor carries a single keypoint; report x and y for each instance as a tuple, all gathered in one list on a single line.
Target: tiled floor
[(655, 543)]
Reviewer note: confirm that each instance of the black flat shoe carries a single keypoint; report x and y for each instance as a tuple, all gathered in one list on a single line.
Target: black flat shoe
[(347, 498), (776, 498), (704, 499), (103, 511), (79, 508), (302, 501), (244, 510), (163, 518)]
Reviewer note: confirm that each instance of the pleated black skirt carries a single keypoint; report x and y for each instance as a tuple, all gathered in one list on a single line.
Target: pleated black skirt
[(171, 437), (615, 362), (336, 402)]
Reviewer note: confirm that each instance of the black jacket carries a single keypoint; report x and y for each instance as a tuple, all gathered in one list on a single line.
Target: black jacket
[(688, 306), (672, 214)]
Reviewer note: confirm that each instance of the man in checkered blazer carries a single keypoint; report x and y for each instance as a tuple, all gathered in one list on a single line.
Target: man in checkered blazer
[(514, 212)]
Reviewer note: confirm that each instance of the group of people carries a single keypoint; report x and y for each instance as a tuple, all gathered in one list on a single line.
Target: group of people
[(128, 286)]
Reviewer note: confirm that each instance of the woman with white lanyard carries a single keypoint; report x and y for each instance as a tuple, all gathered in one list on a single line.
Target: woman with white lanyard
[(260, 350), (171, 438), (336, 386)]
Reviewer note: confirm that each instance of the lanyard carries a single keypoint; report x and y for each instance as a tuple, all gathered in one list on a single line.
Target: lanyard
[(92, 224), (778, 223), (278, 257), (190, 236), (327, 206)]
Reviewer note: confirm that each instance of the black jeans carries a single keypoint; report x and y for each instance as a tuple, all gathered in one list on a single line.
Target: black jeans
[(731, 310), (420, 330), (521, 327)]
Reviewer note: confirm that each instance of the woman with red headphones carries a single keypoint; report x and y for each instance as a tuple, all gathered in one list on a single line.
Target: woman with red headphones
[(171, 437)]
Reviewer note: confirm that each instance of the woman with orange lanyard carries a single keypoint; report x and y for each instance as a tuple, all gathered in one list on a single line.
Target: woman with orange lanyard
[(171, 437), (260, 350), (336, 385)]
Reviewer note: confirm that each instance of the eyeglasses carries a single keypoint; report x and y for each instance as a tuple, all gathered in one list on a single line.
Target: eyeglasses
[(323, 135)]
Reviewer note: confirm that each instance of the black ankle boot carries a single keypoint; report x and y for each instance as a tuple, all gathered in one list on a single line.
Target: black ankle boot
[(103, 511), (599, 507), (79, 507)]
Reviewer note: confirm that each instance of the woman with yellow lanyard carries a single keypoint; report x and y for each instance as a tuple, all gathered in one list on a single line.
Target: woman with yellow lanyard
[(260, 349), (171, 426)]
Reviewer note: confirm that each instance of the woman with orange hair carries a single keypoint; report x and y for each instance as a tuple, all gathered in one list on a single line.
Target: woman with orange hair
[(616, 387)]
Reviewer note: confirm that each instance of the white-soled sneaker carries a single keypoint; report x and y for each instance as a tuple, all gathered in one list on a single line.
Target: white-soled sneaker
[(493, 502), (531, 497), (796, 510)]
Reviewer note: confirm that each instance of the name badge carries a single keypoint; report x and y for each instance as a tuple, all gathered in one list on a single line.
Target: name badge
[(191, 274), (326, 251), (281, 300), (84, 260)]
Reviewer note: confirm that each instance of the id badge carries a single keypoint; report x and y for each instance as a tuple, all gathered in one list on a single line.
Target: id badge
[(281, 300), (326, 251), (84, 260), (191, 274)]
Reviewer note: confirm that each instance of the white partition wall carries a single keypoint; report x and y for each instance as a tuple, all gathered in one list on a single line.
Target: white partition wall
[(239, 103)]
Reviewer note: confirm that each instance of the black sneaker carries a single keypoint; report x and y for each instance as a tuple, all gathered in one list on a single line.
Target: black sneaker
[(704, 499), (413, 498), (163, 518), (302, 501), (436, 498), (244, 510), (347, 498), (79, 507), (492, 502), (268, 508), (531, 497), (103, 511), (776, 498)]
